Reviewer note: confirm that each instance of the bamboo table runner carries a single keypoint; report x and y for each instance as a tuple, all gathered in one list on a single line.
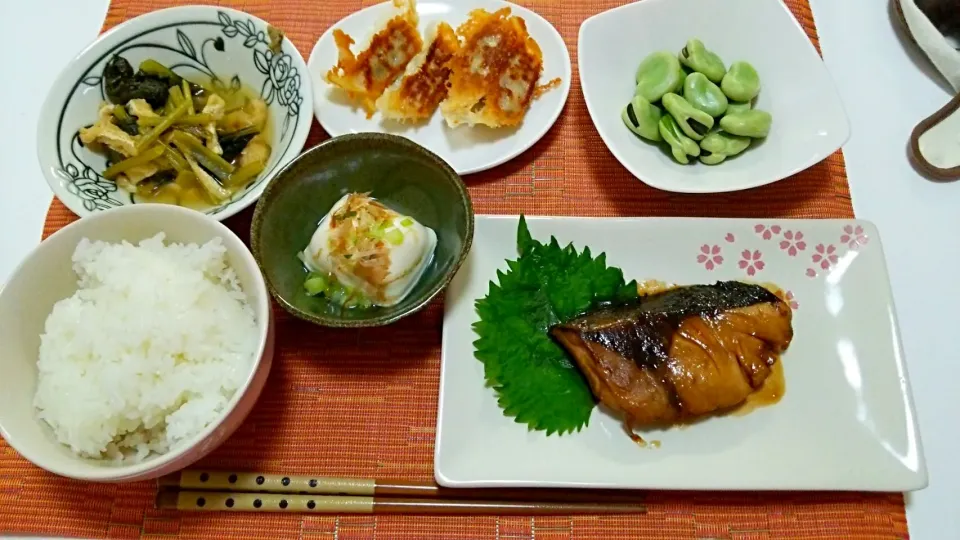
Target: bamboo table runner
[(335, 406)]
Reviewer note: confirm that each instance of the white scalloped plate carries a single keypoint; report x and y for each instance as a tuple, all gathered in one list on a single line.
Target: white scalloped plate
[(846, 421), (467, 149)]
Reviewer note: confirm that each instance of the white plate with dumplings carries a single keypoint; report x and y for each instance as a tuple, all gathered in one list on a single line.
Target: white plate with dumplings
[(467, 148)]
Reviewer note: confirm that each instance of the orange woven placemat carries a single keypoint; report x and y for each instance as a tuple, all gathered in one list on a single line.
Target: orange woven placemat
[(335, 406)]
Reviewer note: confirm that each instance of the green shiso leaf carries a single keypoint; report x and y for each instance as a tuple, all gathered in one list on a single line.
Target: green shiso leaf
[(536, 382)]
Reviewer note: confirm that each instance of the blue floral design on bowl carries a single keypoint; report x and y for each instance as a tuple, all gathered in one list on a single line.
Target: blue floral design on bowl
[(197, 42)]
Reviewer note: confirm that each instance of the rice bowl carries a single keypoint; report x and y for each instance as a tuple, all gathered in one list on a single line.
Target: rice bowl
[(148, 351), (112, 421)]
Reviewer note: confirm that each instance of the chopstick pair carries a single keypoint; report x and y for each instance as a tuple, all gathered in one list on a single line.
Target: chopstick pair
[(252, 492)]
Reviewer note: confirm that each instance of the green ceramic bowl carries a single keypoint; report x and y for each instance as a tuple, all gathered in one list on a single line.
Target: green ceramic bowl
[(399, 173)]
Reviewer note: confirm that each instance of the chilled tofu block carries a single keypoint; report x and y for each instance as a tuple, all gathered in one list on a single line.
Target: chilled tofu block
[(369, 253)]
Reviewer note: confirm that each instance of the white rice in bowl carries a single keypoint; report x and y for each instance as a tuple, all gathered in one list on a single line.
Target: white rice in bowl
[(148, 351)]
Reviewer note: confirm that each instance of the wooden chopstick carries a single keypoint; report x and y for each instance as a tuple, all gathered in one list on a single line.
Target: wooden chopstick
[(202, 490), (212, 501), (204, 480)]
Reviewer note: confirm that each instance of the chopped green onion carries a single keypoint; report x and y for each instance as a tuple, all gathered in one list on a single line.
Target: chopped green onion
[(352, 298), (379, 231), (316, 284), (395, 236), (406, 222), (337, 294)]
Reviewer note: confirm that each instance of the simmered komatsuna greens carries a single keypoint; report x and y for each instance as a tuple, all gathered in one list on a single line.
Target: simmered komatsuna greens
[(174, 141)]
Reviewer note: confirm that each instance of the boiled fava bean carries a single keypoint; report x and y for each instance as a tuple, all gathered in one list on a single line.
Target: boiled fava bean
[(642, 118), (752, 123), (681, 146), (741, 83), (696, 56), (694, 122), (700, 92), (657, 75)]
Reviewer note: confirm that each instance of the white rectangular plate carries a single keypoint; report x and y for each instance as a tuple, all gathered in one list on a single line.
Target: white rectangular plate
[(846, 421)]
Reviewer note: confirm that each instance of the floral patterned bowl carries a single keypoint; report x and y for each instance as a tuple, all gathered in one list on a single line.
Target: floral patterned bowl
[(197, 42)]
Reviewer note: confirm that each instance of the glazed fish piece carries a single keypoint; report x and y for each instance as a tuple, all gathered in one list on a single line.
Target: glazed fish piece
[(681, 353)]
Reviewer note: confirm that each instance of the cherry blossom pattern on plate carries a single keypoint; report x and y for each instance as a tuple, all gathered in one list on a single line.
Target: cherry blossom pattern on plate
[(825, 256), (854, 236), (710, 256), (730, 237), (792, 300), (751, 261), (793, 243), (811, 273), (766, 232)]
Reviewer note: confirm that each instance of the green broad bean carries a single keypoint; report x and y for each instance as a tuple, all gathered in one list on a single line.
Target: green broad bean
[(697, 105), (753, 123), (658, 74), (681, 146), (694, 122), (735, 107), (642, 118), (741, 83), (719, 145), (696, 56), (700, 92), (712, 159)]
